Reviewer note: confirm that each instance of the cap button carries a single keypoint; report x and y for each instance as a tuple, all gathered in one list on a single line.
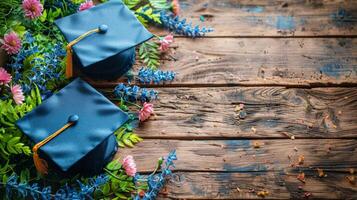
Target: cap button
[(103, 28), (73, 118)]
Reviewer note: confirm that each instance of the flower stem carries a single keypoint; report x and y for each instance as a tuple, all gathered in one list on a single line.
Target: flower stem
[(159, 162), (113, 175), (128, 102)]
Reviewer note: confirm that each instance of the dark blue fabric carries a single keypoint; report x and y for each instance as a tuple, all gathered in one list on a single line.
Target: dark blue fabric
[(88, 144), (104, 55)]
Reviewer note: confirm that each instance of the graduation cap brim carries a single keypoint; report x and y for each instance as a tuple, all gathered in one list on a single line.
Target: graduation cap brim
[(123, 32), (98, 120)]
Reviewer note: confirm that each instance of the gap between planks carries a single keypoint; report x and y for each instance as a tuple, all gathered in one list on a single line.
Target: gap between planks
[(107, 85), (272, 36)]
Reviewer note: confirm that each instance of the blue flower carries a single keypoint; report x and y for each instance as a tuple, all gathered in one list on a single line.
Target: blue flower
[(175, 24), (65, 5), (157, 181), (25, 190), (46, 65), (147, 76), (134, 93)]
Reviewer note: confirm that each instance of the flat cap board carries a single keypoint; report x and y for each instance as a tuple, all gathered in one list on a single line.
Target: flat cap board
[(98, 119), (122, 32)]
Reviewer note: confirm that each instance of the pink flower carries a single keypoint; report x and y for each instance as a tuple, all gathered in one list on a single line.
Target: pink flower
[(32, 8), (17, 94), (11, 43), (165, 42), (129, 165), (176, 7), (86, 5), (5, 77), (146, 111)]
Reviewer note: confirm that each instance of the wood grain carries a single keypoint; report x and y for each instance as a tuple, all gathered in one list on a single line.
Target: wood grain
[(280, 185), (275, 112), (307, 62), (242, 155), (215, 169), (274, 18)]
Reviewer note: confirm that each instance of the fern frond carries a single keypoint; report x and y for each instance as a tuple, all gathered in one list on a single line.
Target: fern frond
[(160, 4), (131, 3), (126, 138), (149, 54)]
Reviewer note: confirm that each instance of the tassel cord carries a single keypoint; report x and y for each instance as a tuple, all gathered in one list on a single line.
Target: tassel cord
[(41, 164)]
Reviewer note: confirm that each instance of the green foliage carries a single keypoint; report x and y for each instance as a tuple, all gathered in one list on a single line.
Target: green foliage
[(8, 9), (50, 15), (10, 113), (122, 105), (120, 185), (131, 3), (126, 137), (149, 53), (11, 138), (146, 14), (12, 145), (147, 11), (160, 4), (13, 25)]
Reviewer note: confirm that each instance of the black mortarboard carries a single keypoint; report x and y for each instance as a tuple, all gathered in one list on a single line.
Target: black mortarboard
[(104, 39), (88, 143)]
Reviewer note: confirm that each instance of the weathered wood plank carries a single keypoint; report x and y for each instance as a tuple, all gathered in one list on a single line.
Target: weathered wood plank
[(273, 112), (215, 169), (274, 18), (306, 62), (243, 156), (280, 185)]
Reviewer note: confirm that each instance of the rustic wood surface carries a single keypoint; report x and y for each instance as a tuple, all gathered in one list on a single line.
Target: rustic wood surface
[(233, 169), (277, 18), (281, 185), (266, 55), (274, 112), (307, 62), (244, 155), (293, 64)]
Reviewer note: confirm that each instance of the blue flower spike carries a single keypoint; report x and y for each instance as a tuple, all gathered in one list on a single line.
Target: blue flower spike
[(147, 76), (179, 26), (134, 93)]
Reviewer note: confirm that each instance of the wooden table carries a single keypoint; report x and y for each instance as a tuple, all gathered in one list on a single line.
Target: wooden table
[(293, 64)]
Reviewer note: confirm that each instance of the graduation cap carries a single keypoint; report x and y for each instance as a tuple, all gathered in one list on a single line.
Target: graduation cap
[(73, 130), (102, 40)]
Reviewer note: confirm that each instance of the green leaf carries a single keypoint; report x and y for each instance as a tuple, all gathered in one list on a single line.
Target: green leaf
[(115, 186), (120, 132), (131, 3), (106, 189), (149, 54), (43, 16), (24, 176), (160, 4), (128, 143), (114, 165), (121, 144), (135, 138), (120, 195)]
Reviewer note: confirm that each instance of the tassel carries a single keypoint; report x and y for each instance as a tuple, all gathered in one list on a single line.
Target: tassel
[(69, 66), (40, 164)]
